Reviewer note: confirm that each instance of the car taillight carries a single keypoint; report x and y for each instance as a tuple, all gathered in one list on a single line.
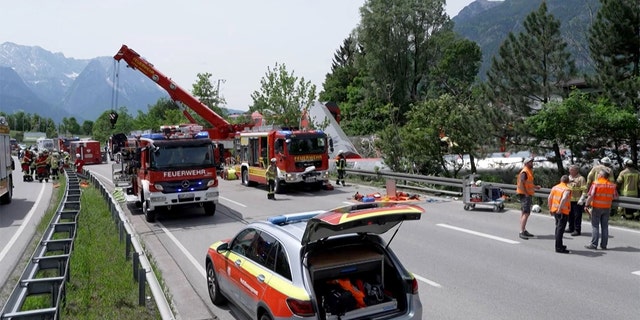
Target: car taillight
[(302, 308), (414, 286)]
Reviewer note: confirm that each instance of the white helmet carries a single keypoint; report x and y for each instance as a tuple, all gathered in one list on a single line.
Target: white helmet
[(77, 155), (606, 161)]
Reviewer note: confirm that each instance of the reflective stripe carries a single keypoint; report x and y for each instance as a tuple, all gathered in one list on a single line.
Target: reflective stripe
[(603, 194), (629, 180), (556, 197)]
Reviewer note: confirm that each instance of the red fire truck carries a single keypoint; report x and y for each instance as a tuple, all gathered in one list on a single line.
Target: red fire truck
[(222, 132), (302, 157), (89, 151), (63, 143), (167, 169), (307, 165)]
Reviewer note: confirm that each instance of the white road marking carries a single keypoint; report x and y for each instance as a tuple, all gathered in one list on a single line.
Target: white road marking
[(637, 273), (427, 281), (24, 224), (480, 234), (184, 251), (234, 202)]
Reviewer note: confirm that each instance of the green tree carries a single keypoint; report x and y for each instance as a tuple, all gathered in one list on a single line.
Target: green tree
[(397, 38), (209, 95), (87, 127), (70, 126), (614, 42), (164, 112), (532, 67), (343, 72), (283, 98), (102, 130)]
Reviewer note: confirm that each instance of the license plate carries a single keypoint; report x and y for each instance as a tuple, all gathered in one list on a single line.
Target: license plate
[(185, 195), (312, 179)]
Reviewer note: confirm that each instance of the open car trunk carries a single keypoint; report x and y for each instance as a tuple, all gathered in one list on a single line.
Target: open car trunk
[(355, 281)]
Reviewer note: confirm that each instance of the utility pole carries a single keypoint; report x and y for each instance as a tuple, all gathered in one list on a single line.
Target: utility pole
[(218, 102)]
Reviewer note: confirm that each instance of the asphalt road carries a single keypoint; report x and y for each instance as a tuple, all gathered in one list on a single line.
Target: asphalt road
[(471, 264), (18, 221)]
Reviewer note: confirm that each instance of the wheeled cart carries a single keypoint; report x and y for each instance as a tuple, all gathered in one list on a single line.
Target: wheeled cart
[(475, 192)]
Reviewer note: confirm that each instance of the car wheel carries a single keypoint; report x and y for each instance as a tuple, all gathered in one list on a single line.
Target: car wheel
[(148, 214), (265, 316), (212, 286), (467, 207), (209, 208)]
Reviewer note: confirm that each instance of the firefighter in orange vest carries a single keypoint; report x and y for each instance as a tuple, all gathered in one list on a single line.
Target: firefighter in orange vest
[(601, 195), (525, 190), (559, 202)]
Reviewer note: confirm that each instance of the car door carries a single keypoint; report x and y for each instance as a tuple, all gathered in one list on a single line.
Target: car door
[(240, 247), (256, 271)]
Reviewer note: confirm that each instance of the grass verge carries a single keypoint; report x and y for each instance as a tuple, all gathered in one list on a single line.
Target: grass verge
[(102, 284)]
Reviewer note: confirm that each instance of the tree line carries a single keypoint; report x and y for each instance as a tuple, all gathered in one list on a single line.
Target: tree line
[(406, 78)]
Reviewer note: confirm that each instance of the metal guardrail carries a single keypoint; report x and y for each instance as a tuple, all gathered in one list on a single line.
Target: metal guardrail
[(48, 270), (622, 202), (142, 270)]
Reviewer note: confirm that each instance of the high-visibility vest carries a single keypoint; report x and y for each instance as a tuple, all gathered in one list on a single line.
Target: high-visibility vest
[(556, 196), (629, 179), (528, 187), (271, 172), (341, 163), (603, 194)]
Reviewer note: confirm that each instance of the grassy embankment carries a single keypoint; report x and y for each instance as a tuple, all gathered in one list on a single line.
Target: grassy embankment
[(101, 282)]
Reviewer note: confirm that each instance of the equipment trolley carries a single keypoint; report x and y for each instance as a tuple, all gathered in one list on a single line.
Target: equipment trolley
[(476, 192)]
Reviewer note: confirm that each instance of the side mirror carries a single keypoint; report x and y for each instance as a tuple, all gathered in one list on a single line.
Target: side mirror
[(331, 145), (223, 247)]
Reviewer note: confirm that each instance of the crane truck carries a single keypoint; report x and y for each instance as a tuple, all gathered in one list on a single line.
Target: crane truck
[(303, 157), (167, 169)]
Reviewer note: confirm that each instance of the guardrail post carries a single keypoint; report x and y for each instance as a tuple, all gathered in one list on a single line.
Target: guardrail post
[(128, 247), (142, 280), (136, 263), (121, 230)]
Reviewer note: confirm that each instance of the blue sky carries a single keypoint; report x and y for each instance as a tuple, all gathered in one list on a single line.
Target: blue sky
[(235, 41)]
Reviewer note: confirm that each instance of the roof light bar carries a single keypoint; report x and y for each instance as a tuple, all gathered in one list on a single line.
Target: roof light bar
[(294, 217)]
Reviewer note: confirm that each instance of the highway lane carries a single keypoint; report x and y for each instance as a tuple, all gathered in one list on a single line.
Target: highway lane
[(18, 222), (468, 262)]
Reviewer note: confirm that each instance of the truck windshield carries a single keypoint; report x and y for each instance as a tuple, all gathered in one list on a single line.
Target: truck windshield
[(306, 145), (182, 157)]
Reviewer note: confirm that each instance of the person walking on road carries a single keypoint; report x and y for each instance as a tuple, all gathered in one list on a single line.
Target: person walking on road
[(341, 165), (601, 195), (629, 183), (559, 202), (271, 179), (525, 190), (578, 185)]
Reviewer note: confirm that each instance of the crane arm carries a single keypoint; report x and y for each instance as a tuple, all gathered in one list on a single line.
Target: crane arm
[(223, 129)]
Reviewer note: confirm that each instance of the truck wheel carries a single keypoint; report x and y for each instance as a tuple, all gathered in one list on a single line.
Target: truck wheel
[(209, 208), (148, 214), (245, 177), (6, 198)]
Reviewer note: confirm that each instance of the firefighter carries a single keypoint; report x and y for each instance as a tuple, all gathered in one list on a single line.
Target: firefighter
[(271, 178), (54, 163), (628, 184), (341, 164), (27, 159), (79, 163)]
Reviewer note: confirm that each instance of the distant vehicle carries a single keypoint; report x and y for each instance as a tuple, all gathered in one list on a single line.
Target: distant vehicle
[(89, 151), (6, 163), (317, 265), (46, 143), (64, 143)]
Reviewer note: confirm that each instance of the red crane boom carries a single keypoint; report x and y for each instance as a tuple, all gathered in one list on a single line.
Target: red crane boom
[(223, 130)]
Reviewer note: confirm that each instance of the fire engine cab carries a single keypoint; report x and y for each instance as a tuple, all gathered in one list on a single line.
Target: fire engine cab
[(302, 157), (171, 168)]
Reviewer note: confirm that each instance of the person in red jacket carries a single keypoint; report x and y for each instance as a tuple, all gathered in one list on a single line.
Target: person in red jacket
[(79, 163)]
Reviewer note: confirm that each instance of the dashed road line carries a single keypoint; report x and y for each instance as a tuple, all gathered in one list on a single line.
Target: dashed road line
[(427, 281), (476, 233)]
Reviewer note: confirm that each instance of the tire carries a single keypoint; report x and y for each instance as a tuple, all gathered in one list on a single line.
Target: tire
[(6, 198), (245, 177), (149, 215), (215, 294), (467, 207), (209, 208), (496, 208), (265, 316)]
